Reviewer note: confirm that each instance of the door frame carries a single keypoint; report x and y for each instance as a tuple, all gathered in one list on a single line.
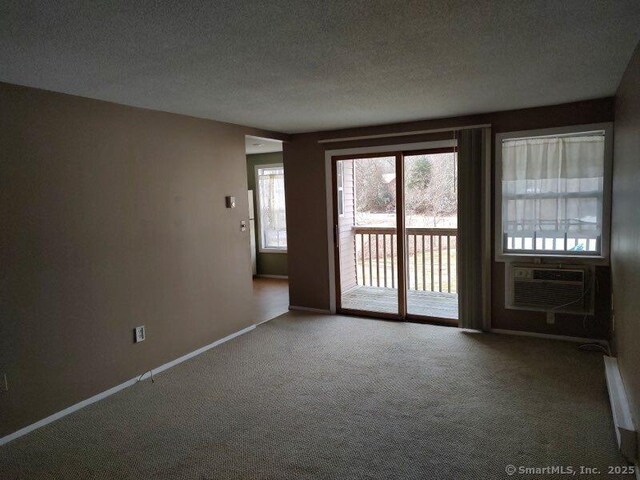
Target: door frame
[(397, 151), (412, 317), (334, 227)]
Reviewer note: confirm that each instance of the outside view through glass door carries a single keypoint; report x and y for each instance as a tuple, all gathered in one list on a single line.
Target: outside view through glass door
[(368, 246), (430, 182), (366, 229)]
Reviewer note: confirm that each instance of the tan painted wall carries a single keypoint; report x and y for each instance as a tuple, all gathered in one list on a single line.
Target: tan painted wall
[(112, 217), (305, 189), (625, 238)]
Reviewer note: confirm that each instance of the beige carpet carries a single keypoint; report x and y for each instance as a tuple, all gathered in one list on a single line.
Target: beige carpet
[(309, 396)]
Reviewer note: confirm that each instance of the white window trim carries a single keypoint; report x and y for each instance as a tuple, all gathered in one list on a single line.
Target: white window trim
[(603, 258), (258, 216)]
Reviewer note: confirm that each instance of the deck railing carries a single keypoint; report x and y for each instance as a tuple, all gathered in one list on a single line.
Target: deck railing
[(431, 255)]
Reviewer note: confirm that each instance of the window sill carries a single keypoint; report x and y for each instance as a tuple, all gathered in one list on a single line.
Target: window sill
[(552, 258), (272, 250)]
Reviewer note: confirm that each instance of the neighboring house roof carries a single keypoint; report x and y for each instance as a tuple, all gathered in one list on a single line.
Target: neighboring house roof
[(388, 177)]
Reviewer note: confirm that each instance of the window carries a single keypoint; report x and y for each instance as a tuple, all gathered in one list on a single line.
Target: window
[(552, 192), (340, 183), (271, 208)]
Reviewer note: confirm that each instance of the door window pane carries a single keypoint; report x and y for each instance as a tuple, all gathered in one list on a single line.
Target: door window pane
[(367, 235), (431, 213)]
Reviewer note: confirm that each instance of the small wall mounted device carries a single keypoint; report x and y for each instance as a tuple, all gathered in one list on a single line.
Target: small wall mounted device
[(139, 334), (230, 202)]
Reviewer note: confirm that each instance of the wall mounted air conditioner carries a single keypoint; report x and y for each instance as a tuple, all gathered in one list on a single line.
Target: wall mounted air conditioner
[(565, 288)]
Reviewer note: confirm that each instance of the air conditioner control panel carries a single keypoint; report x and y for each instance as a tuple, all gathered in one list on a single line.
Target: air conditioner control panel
[(523, 273)]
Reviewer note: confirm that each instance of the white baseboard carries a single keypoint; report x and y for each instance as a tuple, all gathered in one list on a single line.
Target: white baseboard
[(264, 321), (269, 319), (66, 411), (282, 277), (181, 359), (117, 388), (549, 336), (623, 422), (308, 309)]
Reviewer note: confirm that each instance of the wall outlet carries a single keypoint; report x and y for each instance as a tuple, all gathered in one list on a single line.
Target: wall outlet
[(551, 318), (139, 334)]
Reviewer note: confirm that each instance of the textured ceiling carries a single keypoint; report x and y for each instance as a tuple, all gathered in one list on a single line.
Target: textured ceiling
[(301, 65)]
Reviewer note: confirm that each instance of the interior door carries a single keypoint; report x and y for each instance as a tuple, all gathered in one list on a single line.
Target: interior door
[(369, 275)]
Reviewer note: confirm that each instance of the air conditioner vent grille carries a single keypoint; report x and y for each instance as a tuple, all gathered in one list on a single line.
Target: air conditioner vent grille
[(548, 295)]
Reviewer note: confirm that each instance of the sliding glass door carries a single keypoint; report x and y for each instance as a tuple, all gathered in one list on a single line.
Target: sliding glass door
[(365, 232), (431, 209), (380, 271)]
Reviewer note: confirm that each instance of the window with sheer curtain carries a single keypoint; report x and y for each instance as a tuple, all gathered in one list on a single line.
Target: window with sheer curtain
[(552, 194), (271, 208)]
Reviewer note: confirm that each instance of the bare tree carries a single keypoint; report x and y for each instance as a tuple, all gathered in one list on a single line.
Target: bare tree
[(431, 186), (373, 192)]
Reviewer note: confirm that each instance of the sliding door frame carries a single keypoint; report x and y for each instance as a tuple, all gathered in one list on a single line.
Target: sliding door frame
[(329, 201), (400, 232), (336, 240), (412, 317), (401, 236)]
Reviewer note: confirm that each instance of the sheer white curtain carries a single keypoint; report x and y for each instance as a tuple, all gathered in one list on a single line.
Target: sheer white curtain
[(552, 192)]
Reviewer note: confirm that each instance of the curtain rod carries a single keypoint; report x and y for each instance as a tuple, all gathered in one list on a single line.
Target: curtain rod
[(594, 133), (403, 134)]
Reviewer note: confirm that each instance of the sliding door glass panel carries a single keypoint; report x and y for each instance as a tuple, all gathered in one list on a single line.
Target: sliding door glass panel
[(430, 234), (366, 232)]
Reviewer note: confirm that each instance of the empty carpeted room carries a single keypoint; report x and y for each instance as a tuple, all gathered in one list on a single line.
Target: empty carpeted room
[(319, 239)]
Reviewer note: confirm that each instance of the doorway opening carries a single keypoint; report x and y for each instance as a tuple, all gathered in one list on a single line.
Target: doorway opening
[(267, 227), (395, 228)]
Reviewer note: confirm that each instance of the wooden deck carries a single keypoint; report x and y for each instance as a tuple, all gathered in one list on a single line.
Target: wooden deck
[(378, 299)]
